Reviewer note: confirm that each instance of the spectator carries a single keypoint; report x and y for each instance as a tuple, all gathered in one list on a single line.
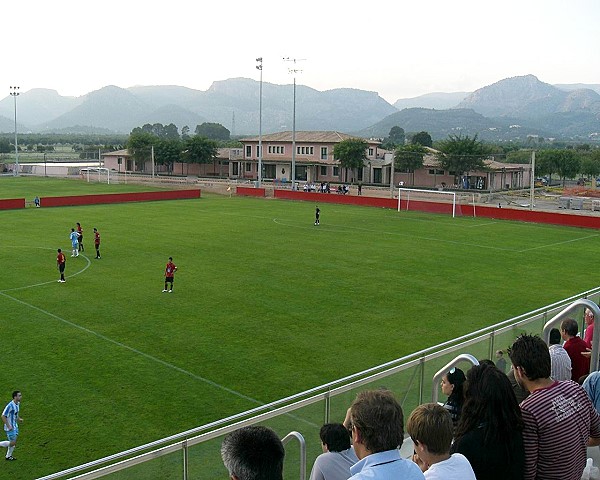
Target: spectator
[(591, 385), (588, 335), (452, 387), (253, 453), (337, 457), (559, 418), (376, 423), (574, 345), (430, 427), (500, 361), (560, 362), (490, 418)]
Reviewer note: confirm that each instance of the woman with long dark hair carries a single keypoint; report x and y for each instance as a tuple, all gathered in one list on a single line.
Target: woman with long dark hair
[(452, 386), (489, 432)]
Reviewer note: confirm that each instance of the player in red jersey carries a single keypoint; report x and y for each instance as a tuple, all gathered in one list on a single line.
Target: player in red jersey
[(80, 237), (170, 270), (60, 263), (97, 242)]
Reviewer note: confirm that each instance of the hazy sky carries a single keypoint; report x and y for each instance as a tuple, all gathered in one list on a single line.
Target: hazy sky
[(397, 48)]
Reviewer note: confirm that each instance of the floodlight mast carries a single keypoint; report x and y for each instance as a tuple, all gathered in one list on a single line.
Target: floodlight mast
[(14, 92), (294, 71), (259, 60)]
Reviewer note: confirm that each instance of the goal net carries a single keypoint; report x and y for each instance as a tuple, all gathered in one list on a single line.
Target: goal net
[(433, 201), (98, 174)]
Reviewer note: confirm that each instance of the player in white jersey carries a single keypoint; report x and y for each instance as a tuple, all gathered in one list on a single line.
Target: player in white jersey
[(11, 419)]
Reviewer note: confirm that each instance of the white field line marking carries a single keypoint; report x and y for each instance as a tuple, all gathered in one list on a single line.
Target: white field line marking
[(134, 350), (558, 243), (418, 237), (50, 281)]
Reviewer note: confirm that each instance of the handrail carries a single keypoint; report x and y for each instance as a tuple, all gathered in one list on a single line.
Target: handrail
[(298, 436), (319, 390), (554, 321), (463, 357)]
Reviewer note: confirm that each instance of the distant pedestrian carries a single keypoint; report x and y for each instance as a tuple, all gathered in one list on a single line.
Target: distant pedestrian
[(170, 270), (36, 201), (11, 419), (80, 237), (97, 242), (360, 188), (317, 215), (74, 243), (60, 263)]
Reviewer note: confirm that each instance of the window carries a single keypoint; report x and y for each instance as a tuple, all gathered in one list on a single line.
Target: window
[(248, 151), (278, 149), (305, 150), (336, 171), (323, 153), (236, 168), (323, 171), (371, 151), (248, 167), (257, 152)]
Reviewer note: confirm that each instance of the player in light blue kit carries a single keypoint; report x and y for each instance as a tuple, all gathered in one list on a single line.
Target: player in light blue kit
[(11, 419), (74, 243)]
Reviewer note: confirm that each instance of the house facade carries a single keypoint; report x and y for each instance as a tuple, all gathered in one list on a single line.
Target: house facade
[(312, 155)]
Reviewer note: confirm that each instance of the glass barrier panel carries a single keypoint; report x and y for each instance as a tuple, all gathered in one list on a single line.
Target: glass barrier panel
[(167, 467)]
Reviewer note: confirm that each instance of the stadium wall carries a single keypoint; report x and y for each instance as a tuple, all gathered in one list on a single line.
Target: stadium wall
[(12, 203), (533, 216), (119, 198), (250, 192)]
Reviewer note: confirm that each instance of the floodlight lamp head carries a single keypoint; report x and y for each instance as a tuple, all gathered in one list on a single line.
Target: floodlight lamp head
[(259, 59)]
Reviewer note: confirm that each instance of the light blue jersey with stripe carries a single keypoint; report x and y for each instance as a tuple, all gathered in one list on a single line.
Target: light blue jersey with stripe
[(11, 411), (74, 239)]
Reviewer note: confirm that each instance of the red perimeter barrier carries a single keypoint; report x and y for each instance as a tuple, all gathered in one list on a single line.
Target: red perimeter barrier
[(534, 216), (12, 203), (119, 198), (250, 192)]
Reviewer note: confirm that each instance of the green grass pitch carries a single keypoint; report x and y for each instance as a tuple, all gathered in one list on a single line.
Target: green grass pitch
[(265, 305)]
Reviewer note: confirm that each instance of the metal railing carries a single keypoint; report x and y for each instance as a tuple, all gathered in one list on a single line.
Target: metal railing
[(193, 453)]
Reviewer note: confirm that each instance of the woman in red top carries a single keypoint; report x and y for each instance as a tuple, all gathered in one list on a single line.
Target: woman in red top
[(60, 263)]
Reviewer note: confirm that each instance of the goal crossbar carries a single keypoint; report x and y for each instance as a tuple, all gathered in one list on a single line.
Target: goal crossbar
[(405, 194)]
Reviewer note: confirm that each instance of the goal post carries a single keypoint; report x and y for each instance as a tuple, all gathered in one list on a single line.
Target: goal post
[(433, 201), (97, 174)]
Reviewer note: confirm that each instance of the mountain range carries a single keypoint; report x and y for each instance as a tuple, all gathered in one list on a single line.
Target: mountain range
[(510, 109)]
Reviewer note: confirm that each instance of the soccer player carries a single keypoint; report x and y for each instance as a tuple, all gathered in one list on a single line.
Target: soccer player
[(97, 242), (317, 215), (60, 263), (74, 243), (11, 419), (170, 270), (80, 237)]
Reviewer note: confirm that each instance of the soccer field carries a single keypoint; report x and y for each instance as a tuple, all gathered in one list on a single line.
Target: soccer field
[(265, 305)]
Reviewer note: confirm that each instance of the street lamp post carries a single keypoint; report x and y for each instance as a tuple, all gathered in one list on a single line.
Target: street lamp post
[(14, 92), (260, 151), (45, 172), (293, 71)]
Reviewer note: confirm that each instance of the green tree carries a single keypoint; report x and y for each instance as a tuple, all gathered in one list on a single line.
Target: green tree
[(408, 158), (462, 154), (140, 144), (167, 151), (185, 132), (422, 138), (199, 150), (566, 163), (213, 131), (4, 145), (351, 153)]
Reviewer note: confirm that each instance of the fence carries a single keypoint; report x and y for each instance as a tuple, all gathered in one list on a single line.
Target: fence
[(196, 453)]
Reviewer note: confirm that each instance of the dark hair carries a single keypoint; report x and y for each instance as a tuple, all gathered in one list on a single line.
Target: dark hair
[(59, 250), (486, 361), (379, 419), (15, 393), (170, 258), (335, 436), (555, 337), (457, 378), (531, 353), (253, 453), (490, 404), (570, 327), (431, 424)]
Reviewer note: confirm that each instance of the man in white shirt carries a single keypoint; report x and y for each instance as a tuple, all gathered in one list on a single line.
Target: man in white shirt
[(430, 427), (560, 362), (337, 457)]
